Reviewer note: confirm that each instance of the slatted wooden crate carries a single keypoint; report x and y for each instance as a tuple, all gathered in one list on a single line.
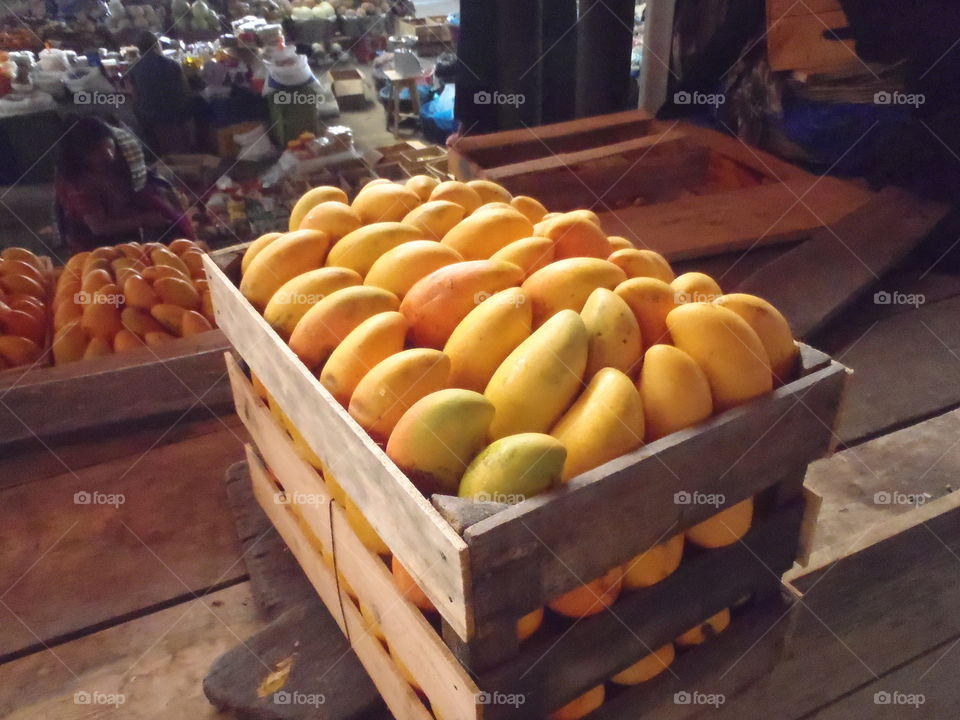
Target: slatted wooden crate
[(682, 190), (488, 573), (545, 673)]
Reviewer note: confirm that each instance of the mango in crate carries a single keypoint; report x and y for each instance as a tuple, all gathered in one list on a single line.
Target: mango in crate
[(693, 287), (486, 231), (372, 341), (713, 625), (529, 254), (659, 562), (387, 202), (457, 192), (674, 390), (360, 249), (490, 191), (642, 263), (646, 668), (532, 208), (575, 235), (591, 598), (408, 586), (580, 706), (281, 260), (257, 246), (529, 624), (399, 269), (333, 218), (435, 218), (615, 340), (566, 285), (514, 468), (651, 300), (422, 185), (771, 327), (724, 528), (312, 198), (292, 299)]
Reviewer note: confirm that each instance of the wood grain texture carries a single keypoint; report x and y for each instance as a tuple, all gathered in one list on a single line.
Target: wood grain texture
[(422, 540), (554, 541), (734, 220), (804, 42), (156, 662), (66, 567), (396, 693), (811, 283), (112, 391), (411, 637)]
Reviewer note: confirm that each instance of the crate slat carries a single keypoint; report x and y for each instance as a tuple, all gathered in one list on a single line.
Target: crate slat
[(423, 541)]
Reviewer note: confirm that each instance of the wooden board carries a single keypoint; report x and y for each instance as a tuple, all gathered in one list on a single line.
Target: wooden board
[(813, 282), (157, 663), (734, 220), (802, 40), (552, 542), (112, 391), (66, 568), (427, 546), (886, 393)]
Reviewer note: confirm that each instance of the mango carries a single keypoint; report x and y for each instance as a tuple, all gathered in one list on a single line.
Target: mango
[(155, 272), (182, 245), (292, 299), (580, 706), (650, 567), (177, 292), (566, 285), (361, 248), (163, 257), (437, 303), (459, 193), (435, 218), (486, 231), (620, 243), (615, 340), (24, 324), (575, 235), (651, 300), (529, 254), (101, 313), (157, 339), (310, 199), (486, 336), (399, 269), (334, 218), (364, 530), (139, 321), (328, 322), (646, 668), (258, 245), (771, 327), (170, 318), (422, 185), (435, 440), (281, 260), (529, 624), (530, 207), (642, 263), (713, 625), (98, 347), (69, 343), (16, 350), (724, 528), (540, 379), (372, 341), (408, 586), (514, 468), (388, 202), (605, 422), (125, 340), (193, 323), (694, 287), (675, 391), (393, 385), (727, 350), (66, 313), (592, 598), (490, 191)]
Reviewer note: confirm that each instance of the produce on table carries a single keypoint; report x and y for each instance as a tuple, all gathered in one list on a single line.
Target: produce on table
[(498, 351)]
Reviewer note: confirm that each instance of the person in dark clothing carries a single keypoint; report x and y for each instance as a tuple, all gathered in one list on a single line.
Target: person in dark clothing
[(161, 100), (97, 194)]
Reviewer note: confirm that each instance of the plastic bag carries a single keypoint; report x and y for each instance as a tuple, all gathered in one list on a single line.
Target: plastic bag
[(289, 68)]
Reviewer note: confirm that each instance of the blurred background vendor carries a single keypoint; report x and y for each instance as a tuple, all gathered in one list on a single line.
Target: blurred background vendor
[(161, 98)]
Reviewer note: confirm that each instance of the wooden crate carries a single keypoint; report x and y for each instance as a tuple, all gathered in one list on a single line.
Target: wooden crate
[(485, 576), (544, 673), (802, 36), (680, 189)]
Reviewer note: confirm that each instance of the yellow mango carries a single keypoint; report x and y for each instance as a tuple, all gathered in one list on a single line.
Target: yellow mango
[(292, 299), (284, 258), (486, 231), (490, 191), (125, 340), (651, 300), (675, 391), (529, 254), (530, 207), (422, 185), (399, 269), (98, 347), (620, 243), (771, 327), (650, 567), (575, 235), (642, 263), (713, 625), (310, 199), (458, 192), (581, 706), (388, 202), (193, 323), (566, 285), (435, 218), (372, 341), (361, 248), (646, 668), (694, 287), (724, 528), (69, 343), (177, 292), (256, 246), (615, 340), (139, 321), (169, 316), (514, 468), (16, 350), (334, 218)]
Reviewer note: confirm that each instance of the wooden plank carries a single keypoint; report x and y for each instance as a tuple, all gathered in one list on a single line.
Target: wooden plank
[(722, 667), (552, 671), (398, 695), (784, 8), (804, 42), (838, 263), (555, 542), (115, 390), (156, 663), (734, 220), (427, 546), (866, 488), (66, 566), (885, 393), (414, 640)]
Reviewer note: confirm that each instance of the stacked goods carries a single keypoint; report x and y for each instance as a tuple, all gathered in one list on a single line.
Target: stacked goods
[(497, 351), (116, 298), (26, 282)]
